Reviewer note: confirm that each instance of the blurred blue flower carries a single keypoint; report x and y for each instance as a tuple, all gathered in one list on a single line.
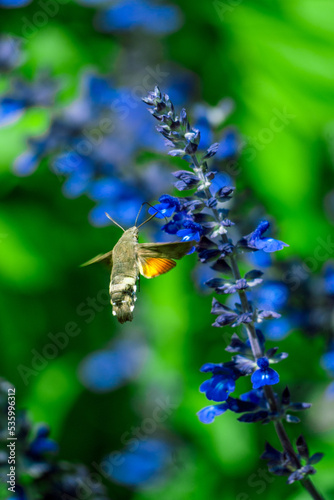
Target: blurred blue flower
[(26, 163), (10, 110), (264, 375), (106, 188), (101, 91), (142, 466), (277, 329), (11, 4), (228, 145), (204, 126), (108, 369), (209, 413), (330, 391), (272, 295), (329, 279), (260, 258), (25, 95), (10, 53), (42, 443), (255, 241), (220, 180), (78, 181), (327, 360), (142, 14), (123, 209)]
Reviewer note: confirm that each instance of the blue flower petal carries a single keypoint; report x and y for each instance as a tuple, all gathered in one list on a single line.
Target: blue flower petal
[(26, 163), (211, 367), (254, 396), (228, 145), (218, 387), (209, 413), (255, 240), (264, 375), (270, 245), (204, 126), (220, 180), (163, 210)]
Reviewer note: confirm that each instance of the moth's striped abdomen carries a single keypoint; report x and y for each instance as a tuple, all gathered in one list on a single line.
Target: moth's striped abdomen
[(123, 297)]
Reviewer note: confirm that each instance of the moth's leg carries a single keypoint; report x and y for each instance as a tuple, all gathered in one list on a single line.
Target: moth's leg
[(138, 279)]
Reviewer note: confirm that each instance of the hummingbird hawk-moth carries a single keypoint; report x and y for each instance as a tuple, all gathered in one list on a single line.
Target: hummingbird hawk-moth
[(128, 259)]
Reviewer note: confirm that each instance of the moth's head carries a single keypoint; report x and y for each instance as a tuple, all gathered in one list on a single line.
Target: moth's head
[(133, 231)]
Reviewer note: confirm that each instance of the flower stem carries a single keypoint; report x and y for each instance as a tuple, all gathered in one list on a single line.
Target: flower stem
[(258, 352)]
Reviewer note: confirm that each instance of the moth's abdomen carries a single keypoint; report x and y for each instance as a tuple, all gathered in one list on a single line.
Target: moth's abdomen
[(123, 297)]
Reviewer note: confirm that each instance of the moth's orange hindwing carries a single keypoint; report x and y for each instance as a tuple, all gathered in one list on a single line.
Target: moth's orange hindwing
[(152, 267)]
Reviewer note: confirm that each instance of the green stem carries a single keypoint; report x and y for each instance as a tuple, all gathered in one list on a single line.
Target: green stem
[(258, 352)]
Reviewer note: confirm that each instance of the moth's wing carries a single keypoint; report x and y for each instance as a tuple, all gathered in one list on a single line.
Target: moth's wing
[(106, 258), (174, 250), (151, 267), (157, 258)]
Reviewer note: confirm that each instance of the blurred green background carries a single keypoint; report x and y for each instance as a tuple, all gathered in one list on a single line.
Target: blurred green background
[(271, 58)]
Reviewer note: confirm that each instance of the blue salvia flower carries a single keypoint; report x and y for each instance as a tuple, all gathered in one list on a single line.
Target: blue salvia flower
[(191, 231), (167, 206), (222, 382), (256, 241), (264, 375), (177, 222), (207, 218)]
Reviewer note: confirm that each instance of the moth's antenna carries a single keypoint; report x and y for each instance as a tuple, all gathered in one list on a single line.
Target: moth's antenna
[(147, 220), (141, 206), (112, 220), (149, 204)]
